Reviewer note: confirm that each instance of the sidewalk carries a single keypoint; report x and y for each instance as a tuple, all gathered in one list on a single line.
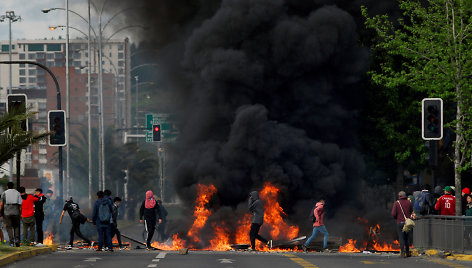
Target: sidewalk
[(27, 253)]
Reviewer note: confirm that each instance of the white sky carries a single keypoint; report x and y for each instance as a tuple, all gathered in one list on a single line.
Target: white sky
[(35, 24)]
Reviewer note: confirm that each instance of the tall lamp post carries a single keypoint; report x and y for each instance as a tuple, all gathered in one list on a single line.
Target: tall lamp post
[(11, 17)]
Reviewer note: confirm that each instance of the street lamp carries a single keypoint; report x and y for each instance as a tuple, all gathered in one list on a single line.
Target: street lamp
[(11, 17)]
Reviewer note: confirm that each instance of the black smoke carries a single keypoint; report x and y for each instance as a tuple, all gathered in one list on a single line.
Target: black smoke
[(266, 91)]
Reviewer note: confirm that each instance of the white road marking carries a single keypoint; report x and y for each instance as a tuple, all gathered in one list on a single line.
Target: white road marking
[(152, 265), (161, 255), (93, 259), (226, 260), (156, 260)]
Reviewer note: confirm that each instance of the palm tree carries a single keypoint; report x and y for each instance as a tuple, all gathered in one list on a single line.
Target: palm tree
[(13, 138)]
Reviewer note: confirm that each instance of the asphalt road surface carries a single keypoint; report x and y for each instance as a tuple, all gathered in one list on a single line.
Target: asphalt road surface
[(82, 258)]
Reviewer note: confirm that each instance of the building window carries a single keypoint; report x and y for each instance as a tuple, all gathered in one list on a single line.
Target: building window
[(23, 80), (120, 47), (22, 72), (40, 55), (40, 71), (41, 79), (50, 56), (121, 71), (121, 63), (53, 47), (22, 65), (31, 72), (50, 64), (36, 47), (59, 64), (58, 55), (22, 56), (31, 56), (121, 55), (32, 80)]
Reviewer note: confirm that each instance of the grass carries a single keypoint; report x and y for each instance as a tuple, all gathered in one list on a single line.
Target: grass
[(6, 249)]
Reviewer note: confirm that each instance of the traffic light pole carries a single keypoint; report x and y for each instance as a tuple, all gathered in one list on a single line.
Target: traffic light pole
[(61, 191)]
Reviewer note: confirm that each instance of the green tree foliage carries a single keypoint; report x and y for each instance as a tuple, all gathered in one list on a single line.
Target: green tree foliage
[(16, 139), (428, 51)]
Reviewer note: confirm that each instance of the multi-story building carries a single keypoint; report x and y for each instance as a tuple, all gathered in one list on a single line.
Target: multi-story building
[(51, 53), (41, 91)]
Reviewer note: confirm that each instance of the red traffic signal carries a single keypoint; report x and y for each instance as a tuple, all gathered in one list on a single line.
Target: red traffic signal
[(156, 132)]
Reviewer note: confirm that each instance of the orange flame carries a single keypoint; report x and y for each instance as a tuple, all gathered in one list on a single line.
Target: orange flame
[(349, 247), (274, 213), (48, 239), (220, 242), (176, 244), (201, 214)]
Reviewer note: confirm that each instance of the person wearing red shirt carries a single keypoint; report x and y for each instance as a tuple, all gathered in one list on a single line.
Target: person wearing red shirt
[(27, 213), (447, 203)]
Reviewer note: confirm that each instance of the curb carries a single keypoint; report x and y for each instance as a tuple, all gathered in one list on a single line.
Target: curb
[(20, 255)]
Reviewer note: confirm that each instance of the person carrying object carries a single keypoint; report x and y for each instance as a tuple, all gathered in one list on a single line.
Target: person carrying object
[(77, 219)]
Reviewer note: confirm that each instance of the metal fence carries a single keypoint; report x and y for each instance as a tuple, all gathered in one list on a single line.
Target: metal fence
[(453, 233)]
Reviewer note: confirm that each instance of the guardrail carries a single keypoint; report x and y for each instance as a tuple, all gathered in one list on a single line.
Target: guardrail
[(453, 233)]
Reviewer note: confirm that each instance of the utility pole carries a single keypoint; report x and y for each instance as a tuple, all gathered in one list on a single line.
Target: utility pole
[(11, 17), (89, 110), (67, 103)]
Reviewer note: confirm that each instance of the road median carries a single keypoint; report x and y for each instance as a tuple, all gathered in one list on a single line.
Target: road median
[(26, 253)]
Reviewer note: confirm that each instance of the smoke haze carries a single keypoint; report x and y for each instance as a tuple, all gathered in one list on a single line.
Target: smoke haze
[(266, 91)]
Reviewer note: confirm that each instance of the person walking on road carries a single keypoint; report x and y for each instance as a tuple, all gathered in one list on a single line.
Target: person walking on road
[(11, 204), (77, 219), (318, 225), (114, 225), (102, 218), (27, 215), (401, 210), (149, 211), (39, 215), (257, 210), (447, 203)]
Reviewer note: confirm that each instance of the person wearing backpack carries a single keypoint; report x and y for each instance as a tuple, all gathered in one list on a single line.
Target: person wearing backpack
[(424, 202), (102, 218), (77, 219), (149, 212), (318, 225)]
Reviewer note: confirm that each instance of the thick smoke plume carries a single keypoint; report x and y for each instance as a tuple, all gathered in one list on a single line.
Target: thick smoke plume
[(266, 91)]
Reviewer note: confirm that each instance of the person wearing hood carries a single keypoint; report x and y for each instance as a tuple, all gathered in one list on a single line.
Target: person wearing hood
[(318, 225), (257, 210), (401, 210), (27, 214), (149, 212), (103, 218)]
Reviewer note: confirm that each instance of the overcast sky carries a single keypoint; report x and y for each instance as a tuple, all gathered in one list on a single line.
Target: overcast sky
[(35, 24)]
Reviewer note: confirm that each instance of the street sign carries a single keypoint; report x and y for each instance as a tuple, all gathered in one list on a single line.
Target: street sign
[(168, 132)]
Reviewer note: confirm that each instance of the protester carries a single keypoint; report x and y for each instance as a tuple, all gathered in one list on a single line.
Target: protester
[(102, 218), (11, 205), (447, 203), (114, 225), (424, 203), (27, 215), (257, 210), (77, 219), (468, 222), (39, 215), (464, 193), (149, 211), (162, 226), (401, 210), (318, 225)]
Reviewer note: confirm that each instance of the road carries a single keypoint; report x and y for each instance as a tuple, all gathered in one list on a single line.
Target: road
[(136, 258)]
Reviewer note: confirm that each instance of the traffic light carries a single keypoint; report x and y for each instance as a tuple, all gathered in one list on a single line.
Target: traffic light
[(432, 119), (156, 132), (17, 102), (57, 125)]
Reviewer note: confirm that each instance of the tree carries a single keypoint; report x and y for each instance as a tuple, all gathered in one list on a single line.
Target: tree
[(16, 139), (432, 43)]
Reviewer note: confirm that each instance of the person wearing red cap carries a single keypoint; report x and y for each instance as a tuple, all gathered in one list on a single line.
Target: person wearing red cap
[(465, 193)]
